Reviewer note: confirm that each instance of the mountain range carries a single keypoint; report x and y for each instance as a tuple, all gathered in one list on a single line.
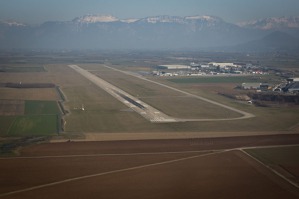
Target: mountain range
[(158, 32)]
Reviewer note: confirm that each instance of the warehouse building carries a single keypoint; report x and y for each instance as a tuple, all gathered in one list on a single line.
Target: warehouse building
[(173, 67)]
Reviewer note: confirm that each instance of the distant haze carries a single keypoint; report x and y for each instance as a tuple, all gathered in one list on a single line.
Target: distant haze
[(233, 11), (154, 32)]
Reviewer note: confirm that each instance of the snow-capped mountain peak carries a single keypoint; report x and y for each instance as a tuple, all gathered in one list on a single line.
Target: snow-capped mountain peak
[(275, 23), (180, 20), (203, 18), (12, 23), (96, 19), (129, 20), (163, 19)]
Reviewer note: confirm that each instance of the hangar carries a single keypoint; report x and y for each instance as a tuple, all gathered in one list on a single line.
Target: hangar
[(173, 67)]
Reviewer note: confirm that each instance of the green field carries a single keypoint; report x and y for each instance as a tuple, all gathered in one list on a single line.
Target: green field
[(41, 107), (5, 123), (34, 125), (40, 118)]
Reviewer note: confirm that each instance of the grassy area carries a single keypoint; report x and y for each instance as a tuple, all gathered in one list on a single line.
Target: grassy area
[(19, 69), (40, 118), (103, 113), (5, 123), (171, 102), (277, 156), (41, 107), (34, 125)]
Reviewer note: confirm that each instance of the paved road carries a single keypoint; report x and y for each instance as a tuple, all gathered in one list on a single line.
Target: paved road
[(145, 110)]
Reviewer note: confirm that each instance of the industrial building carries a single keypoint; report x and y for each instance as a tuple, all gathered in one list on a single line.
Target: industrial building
[(292, 87), (251, 86), (294, 79), (255, 86), (173, 67)]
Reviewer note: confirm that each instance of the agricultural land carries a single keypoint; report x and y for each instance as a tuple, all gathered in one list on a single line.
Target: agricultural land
[(74, 124)]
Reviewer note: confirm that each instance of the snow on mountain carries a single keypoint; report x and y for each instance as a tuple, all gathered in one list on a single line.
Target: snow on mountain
[(129, 20), (274, 23), (96, 19), (151, 20), (12, 23), (203, 18), (163, 19), (180, 20), (107, 31)]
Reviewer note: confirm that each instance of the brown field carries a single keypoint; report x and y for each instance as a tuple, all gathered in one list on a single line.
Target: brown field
[(189, 168)]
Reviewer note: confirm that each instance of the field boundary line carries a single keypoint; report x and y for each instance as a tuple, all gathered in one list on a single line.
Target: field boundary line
[(271, 169), (110, 172), (270, 146), (110, 154)]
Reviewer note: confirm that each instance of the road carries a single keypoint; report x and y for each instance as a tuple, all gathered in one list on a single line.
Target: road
[(148, 112)]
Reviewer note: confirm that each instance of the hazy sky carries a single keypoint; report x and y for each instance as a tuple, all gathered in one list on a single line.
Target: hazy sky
[(38, 11)]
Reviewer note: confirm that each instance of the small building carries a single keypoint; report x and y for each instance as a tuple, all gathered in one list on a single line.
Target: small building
[(224, 65), (251, 86), (292, 87), (193, 64), (293, 79)]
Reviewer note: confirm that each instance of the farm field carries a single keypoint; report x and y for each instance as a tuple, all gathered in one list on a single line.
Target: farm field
[(29, 94), (188, 168), (34, 125), (37, 118), (21, 69), (284, 160)]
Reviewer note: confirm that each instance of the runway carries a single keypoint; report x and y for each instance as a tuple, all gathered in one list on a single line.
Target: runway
[(148, 112), (145, 110)]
